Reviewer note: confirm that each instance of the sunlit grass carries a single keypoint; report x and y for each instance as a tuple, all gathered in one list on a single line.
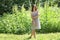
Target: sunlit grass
[(48, 36)]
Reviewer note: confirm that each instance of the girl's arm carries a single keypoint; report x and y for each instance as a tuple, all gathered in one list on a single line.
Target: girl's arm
[(36, 16)]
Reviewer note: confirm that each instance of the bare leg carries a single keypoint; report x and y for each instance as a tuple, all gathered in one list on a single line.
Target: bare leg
[(33, 34), (33, 31)]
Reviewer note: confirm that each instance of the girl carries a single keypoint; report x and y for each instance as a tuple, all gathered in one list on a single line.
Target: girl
[(35, 21)]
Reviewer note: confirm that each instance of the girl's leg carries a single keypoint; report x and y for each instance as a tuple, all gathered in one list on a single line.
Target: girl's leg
[(33, 34), (33, 30)]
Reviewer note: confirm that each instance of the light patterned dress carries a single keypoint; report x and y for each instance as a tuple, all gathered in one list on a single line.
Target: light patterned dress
[(36, 22)]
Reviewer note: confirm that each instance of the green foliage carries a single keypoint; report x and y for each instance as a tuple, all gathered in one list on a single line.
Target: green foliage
[(20, 22), (6, 5), (50, 18), (50, 2)]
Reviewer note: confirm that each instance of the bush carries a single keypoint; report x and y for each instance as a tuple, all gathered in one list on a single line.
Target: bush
[(20, 22)]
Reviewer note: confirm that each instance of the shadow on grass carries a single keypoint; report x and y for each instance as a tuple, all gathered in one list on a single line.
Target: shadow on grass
[(30, 33), (47, 32)]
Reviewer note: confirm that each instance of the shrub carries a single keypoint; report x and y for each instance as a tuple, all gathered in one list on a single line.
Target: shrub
[(20, 22)]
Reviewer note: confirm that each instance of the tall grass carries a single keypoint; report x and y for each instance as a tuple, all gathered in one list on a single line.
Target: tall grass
[(20, 22)]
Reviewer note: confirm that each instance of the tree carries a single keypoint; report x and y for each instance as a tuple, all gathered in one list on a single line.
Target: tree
[(6, 5)]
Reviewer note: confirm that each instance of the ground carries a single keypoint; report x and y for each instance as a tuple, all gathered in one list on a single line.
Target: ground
[(41, 36)]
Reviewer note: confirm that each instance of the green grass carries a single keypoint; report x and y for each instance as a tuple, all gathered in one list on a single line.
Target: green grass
[(48, 36)]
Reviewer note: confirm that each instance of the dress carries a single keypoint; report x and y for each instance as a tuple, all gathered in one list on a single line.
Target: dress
[(36, 22)]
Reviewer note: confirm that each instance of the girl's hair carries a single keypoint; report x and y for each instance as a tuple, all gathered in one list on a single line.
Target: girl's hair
[(33, 7)]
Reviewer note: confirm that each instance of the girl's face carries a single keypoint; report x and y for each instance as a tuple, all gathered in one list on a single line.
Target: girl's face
[(34, 8)]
